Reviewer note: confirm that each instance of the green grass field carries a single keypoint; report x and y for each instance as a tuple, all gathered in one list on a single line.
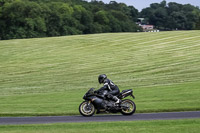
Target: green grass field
[(49, 76), (169, 126)]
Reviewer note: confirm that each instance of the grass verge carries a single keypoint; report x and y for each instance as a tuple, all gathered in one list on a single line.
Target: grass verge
[(158, 126)]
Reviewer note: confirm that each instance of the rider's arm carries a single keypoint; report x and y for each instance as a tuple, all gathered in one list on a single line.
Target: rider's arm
[(105, 87), (102, 88)]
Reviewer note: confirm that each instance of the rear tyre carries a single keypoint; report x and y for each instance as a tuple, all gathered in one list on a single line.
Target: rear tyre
[(128, 107), (86, 109)]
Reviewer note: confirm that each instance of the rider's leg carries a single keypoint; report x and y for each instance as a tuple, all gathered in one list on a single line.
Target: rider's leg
[(114, 98)]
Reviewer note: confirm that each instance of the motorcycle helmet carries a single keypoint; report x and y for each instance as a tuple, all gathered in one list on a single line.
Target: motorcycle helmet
[(101, 78)]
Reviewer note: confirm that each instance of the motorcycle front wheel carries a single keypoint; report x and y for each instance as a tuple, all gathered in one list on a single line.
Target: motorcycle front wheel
[(86, 109), (128, 107)]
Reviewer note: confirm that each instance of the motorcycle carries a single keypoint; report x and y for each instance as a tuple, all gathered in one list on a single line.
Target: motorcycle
[(97, 101)]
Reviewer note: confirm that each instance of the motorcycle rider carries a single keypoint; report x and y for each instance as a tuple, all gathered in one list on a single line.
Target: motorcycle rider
[(112, 89)]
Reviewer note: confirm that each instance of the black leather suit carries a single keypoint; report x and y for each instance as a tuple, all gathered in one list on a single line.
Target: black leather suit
[(112, 89)]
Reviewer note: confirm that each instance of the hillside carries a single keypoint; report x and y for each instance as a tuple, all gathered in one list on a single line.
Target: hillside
[(50, 75)]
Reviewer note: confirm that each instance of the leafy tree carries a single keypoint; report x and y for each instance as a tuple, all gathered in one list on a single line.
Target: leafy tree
[(101, 17), (40, 18), (171, 17), (196, 13), (133, 13)]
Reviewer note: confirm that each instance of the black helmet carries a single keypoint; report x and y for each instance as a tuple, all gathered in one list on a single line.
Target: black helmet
[(101, 78)]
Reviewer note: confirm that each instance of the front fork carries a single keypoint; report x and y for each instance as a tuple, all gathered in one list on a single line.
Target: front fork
[(88, 105)]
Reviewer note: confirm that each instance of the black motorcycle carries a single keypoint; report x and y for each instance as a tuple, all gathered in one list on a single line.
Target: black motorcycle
[(97, 101)]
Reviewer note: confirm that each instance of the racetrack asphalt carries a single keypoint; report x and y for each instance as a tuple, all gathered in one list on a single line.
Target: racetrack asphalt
[(99, 118)]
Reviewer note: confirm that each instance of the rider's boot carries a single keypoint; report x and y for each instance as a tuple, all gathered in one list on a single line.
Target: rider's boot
[(116, 99)]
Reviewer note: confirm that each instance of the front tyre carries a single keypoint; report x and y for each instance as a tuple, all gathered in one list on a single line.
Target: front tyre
[(86, 109), (128, 107)]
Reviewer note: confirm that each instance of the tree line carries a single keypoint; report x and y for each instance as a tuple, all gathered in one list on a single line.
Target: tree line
[(172, 16), (47, 18)]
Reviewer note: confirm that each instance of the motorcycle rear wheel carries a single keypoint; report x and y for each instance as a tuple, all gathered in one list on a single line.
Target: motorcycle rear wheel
[(128, 107), (86, 109)]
